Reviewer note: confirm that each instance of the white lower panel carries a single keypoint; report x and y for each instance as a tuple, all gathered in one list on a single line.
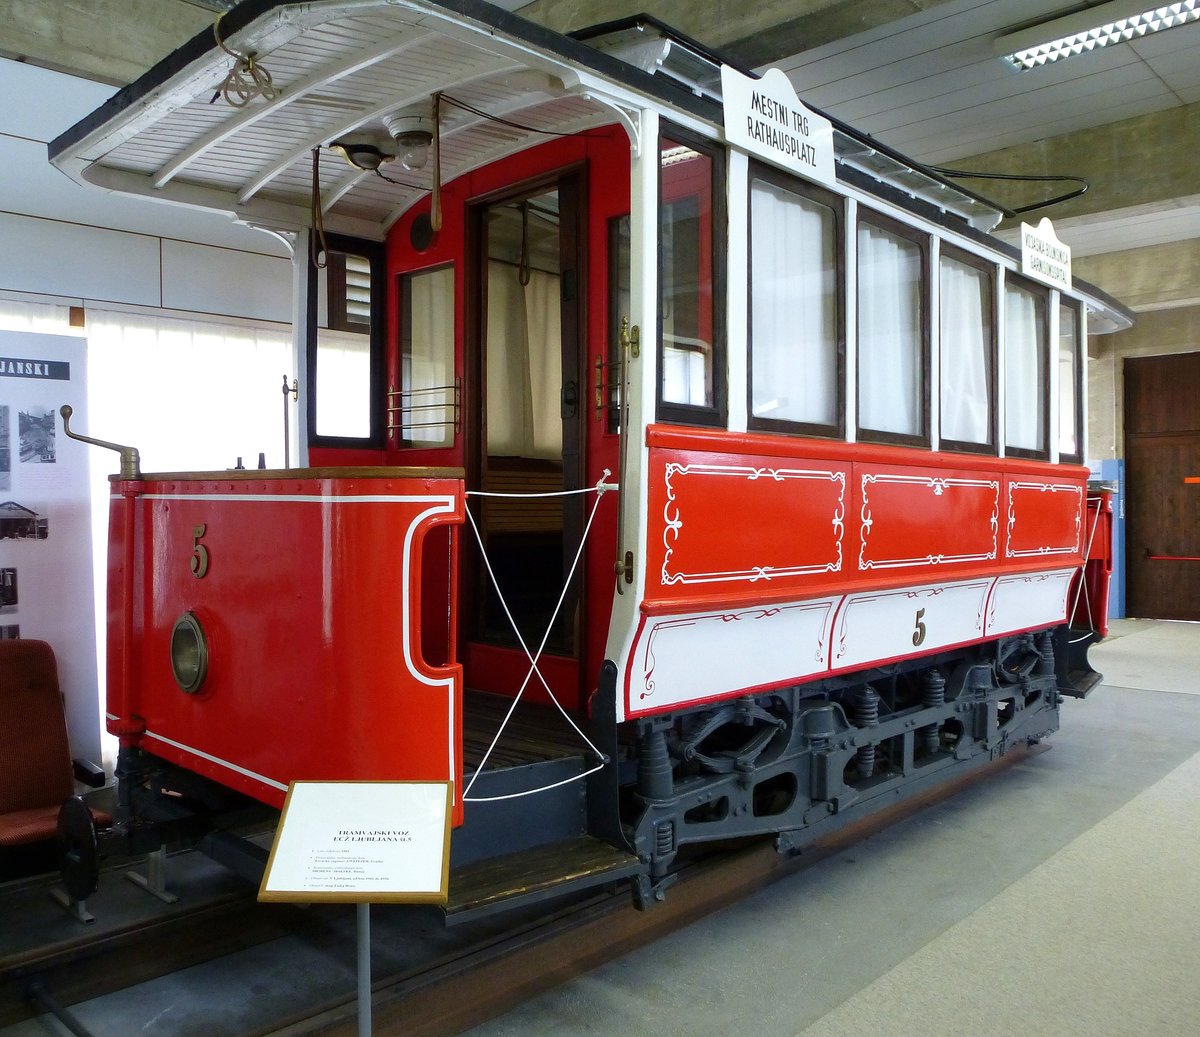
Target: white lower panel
[(881, 626), (682, 659), (1021, 602)]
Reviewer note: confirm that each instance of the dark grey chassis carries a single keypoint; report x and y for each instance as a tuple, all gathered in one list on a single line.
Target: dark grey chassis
[(802, 762)]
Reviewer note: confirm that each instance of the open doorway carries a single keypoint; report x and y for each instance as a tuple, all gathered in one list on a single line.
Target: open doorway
[(528, 446)]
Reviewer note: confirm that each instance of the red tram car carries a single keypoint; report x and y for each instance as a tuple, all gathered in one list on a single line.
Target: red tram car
[(676, 463)]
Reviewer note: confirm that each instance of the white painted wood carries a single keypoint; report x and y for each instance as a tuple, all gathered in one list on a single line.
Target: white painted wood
[(682, 659), (882, 625), (1022, 602)]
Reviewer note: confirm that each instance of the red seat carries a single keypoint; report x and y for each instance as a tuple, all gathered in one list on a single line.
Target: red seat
[(36, 771)]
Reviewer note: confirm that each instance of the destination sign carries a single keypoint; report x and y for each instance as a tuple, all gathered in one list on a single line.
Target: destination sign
[(1044, 257), (765, 118)]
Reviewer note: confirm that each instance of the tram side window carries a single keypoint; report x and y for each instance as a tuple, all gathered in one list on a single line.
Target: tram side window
[(345, 352), (1069, 382), (1025, 351), (968, 348), (691, 348), (424, 411), (796, 329), (892, 333)]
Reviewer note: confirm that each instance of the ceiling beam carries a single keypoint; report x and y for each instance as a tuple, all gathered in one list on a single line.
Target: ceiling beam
[(1140, 161), (753, 34), (110, 41)]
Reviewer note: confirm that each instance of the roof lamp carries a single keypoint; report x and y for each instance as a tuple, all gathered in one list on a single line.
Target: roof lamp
[(413, 136), (1092, 29)]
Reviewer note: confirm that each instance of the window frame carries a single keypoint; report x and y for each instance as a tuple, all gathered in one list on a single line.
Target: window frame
[(990, 269), (375, 253), (404, 340), (923, 241), (1080, 311), (1014, 279), (716, 415), (836, 203)]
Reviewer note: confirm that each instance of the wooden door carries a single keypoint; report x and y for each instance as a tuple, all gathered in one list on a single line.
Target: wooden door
[(1162, 451), (528, 441)]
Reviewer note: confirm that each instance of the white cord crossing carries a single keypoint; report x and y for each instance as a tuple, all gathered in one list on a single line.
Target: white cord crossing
[(599, 490), (1082, 590)]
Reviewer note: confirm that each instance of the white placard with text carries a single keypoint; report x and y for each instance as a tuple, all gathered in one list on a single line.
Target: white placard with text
[(361, 841)]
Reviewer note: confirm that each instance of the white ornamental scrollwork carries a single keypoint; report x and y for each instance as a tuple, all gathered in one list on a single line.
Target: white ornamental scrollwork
[(673, 523), (1043, 550), (939, 485)]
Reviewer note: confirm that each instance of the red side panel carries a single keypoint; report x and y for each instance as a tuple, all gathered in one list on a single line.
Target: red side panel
[(308, 587), (748, 519)]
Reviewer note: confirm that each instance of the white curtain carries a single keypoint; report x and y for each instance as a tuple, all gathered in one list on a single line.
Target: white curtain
[(966, 353), (793, 307), (191, 396), (1068, 380), (685, 371), (890, 385), (343, 384), (524, 363), (428, 364), (1024, 368), (40, 317)]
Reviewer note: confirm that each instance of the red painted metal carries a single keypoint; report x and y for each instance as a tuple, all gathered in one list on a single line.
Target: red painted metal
[(738, 519), (307, 585)]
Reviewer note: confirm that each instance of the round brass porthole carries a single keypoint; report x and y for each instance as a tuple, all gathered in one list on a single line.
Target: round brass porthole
[(189, 653)]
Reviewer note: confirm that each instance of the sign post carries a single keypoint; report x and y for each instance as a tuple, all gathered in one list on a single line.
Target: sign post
[(360, 842)]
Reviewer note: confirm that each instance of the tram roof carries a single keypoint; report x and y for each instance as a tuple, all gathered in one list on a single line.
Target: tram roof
[(342, 69)]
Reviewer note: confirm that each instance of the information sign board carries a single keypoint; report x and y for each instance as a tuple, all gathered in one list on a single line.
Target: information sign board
[(361, 842)]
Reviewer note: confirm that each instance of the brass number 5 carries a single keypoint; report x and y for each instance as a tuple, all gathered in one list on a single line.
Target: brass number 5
[(919, 633), (199, 560)]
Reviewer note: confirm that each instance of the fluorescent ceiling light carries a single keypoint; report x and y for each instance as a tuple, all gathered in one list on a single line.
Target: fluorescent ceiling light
[(1091, 29)]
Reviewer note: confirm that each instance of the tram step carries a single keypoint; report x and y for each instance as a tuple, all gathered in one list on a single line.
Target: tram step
[(520, 879), (1082, 682), (516, 808)]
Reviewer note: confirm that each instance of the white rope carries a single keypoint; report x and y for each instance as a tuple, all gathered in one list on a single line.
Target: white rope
[(530, 792), (1082, 591), (599, 489)]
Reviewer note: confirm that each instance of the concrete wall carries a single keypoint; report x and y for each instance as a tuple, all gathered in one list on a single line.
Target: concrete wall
[(1156, 332)]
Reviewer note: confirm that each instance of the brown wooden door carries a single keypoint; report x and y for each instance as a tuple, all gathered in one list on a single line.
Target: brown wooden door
[(527, 344), (1162, 450)]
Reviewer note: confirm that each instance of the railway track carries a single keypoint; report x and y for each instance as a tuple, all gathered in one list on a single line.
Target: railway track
[(480, 976)]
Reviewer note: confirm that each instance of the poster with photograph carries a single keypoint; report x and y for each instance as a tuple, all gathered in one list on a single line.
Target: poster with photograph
[(45, 518)]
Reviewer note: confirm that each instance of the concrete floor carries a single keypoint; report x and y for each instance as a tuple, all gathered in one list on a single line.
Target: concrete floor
[(1060, 896)]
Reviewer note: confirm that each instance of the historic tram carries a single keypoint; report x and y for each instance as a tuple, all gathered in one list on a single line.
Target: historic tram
[(676, 464)]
